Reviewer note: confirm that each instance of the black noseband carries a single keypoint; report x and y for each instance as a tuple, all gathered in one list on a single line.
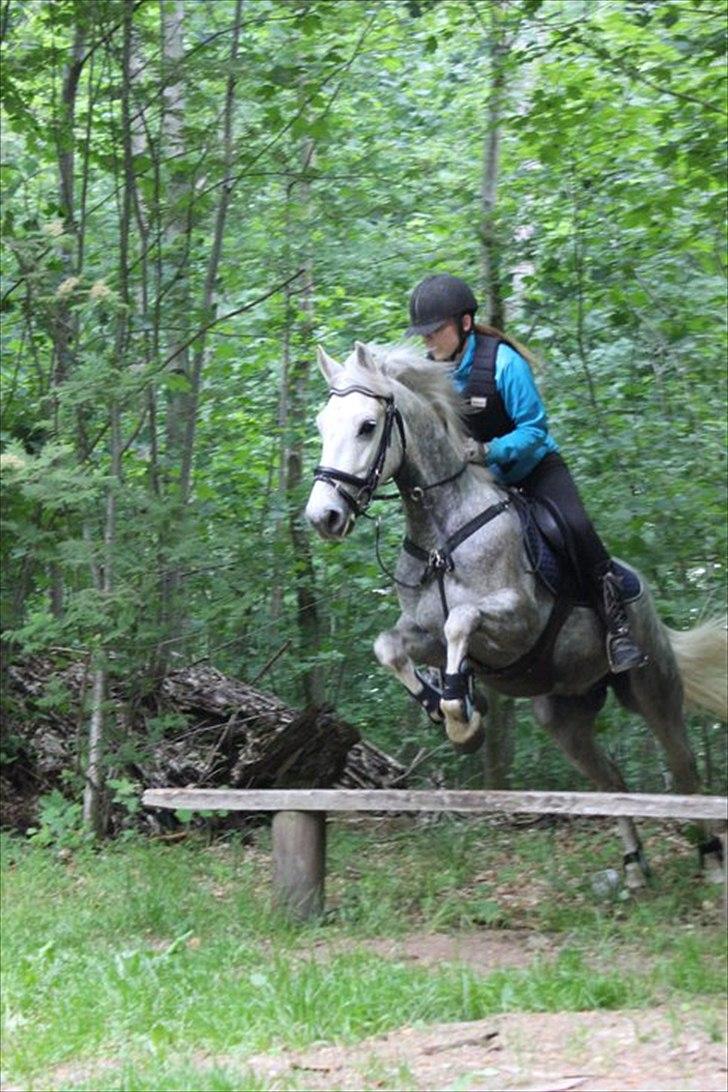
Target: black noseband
[(365, 486)]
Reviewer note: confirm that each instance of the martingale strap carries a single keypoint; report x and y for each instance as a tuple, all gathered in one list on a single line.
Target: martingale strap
[(439, 561), (441, 557)]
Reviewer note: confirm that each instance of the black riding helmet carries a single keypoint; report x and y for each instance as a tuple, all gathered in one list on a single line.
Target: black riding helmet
[(437, 299)]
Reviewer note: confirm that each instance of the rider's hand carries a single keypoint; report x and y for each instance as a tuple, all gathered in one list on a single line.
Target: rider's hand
[(475, 452)]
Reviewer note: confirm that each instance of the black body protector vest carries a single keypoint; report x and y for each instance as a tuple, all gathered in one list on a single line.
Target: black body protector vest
[(487, 416)]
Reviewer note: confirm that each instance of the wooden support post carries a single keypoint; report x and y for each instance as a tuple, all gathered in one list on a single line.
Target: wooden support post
[(724, 843), (299, 862)]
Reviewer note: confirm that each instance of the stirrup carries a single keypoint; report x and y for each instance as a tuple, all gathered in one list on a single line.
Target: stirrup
[(627, 658)]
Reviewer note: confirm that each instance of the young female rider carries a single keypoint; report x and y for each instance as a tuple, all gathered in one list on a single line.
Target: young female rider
[(512, 437)]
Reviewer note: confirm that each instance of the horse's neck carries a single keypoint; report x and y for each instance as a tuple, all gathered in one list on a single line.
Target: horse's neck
[(432, 458)]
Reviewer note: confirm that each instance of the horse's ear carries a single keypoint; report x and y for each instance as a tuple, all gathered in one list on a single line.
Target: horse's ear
[(364, 357), (327, 364)]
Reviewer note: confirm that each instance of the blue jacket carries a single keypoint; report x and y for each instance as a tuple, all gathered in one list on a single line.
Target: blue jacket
[(523, 449)]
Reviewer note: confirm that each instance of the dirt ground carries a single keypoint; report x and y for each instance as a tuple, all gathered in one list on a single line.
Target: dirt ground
[(680, 1048), (529, 1052), (653, 1049), (482, 951)]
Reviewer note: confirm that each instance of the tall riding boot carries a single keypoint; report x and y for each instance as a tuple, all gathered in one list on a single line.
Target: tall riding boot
[(622, 652)]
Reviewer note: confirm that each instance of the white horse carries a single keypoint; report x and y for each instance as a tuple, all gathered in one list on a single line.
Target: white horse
[(470, 600)]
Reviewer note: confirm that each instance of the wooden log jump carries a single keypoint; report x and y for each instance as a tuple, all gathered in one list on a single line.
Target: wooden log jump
[(299, 825)]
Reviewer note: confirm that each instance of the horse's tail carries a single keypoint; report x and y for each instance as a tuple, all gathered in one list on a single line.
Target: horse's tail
[(702, 659)]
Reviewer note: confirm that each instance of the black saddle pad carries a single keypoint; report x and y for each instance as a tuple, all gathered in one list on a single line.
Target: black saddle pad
[(554, 562)]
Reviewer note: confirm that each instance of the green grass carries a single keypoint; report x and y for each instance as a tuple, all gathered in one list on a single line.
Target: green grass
[(145, 959)]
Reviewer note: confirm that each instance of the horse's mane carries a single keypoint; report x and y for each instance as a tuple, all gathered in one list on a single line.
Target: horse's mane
[(427, 380)]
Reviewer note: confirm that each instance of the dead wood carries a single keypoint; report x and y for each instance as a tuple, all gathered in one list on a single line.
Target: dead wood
[(219, 732)]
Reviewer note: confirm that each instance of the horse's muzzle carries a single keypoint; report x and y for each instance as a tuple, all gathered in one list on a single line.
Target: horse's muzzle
[(330, 520)]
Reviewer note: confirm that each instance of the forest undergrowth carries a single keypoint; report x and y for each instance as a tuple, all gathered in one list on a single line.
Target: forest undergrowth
[(136, 965)]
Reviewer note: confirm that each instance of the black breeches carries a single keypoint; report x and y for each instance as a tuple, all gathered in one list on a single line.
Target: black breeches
[(552, 479)]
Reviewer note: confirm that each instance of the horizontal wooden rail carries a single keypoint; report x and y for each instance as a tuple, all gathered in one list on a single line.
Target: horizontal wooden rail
[(299, 823), (635, 805)]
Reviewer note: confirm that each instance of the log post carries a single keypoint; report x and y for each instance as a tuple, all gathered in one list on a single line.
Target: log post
[(724, 844), (299, 863)]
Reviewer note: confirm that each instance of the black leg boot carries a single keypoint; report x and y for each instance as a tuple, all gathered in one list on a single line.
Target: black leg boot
[(622, 652)]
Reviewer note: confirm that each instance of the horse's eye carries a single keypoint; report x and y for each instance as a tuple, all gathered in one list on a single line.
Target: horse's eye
[(366, 428)]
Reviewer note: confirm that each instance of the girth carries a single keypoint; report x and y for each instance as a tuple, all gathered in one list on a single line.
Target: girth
[(536, 665)]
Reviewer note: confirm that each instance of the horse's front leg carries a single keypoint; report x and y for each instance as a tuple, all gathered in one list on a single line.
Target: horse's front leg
[(463, 722), (398, 648)]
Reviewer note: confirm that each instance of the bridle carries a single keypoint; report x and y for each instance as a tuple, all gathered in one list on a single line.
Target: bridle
[(365, 487)]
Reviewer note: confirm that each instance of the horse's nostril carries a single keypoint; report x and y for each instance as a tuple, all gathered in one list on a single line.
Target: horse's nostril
[(333, 521)]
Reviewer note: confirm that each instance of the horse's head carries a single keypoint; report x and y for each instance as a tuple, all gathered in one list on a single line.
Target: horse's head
[(363, 441)]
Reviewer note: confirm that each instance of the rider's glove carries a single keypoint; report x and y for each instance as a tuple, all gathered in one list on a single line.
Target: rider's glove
[(475, 452)]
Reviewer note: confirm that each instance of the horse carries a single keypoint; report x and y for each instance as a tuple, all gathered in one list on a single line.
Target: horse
[(470, 599)]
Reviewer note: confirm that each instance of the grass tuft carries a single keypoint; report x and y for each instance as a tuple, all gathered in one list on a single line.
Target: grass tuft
[(123, 966)]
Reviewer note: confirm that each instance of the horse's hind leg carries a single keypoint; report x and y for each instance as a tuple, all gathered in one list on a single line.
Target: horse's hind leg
[(655, 692), (570, 722)]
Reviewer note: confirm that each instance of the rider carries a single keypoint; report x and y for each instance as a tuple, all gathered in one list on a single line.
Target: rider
[(512, 437)]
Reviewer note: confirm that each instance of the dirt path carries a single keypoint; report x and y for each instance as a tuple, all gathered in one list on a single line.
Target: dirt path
[(680, 1049), (482, 950), (675, 1048), (655, 1050)]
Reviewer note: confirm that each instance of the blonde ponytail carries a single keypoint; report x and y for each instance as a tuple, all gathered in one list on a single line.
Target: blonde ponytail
[(492, 331)]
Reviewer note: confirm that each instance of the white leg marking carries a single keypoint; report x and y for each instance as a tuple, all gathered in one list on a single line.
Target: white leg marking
[(462, 723)]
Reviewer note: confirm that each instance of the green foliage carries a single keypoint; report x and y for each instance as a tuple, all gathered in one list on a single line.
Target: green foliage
[(185, 955), (127, 793), (609, 226), (60, 823)]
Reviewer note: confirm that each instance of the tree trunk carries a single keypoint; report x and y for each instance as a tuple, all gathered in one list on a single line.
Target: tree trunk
[(93, 812), (65, 324), (181, 418), (209, 306), (490, 249), (298, 345), (498, 747), (176, 243), (93, 799)]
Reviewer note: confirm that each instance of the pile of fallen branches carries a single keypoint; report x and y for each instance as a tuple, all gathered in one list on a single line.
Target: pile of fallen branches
[(203, 729)]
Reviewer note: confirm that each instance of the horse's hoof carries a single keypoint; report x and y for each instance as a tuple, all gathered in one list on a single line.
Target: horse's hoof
[(463, 724), (712, 864), (713, 872), (634, 879), (471, 745)]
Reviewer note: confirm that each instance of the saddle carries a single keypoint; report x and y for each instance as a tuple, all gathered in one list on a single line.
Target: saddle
[(553, 557)]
